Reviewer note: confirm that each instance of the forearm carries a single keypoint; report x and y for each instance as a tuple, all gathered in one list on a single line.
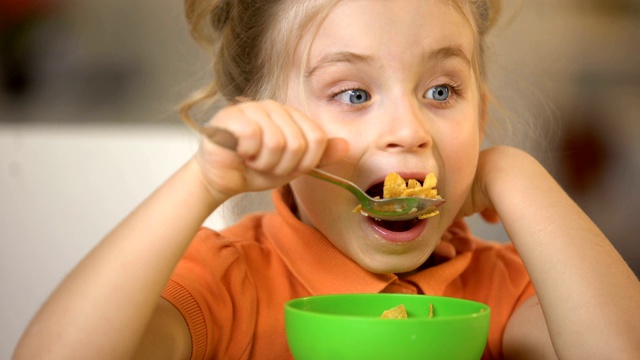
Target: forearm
[(588, 294), (102, 307)]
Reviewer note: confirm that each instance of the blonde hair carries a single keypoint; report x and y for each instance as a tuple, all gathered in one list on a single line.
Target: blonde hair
[(252, 42)]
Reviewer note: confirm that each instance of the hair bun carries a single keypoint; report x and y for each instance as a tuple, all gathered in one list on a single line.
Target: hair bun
[(488, 13), (220, 14), (207, 18)]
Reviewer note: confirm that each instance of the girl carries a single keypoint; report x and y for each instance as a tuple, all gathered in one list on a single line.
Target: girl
[(359, 88)]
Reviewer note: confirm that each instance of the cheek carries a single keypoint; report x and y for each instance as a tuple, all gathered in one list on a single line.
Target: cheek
[(460, 159), (319, 202), (294, 99)]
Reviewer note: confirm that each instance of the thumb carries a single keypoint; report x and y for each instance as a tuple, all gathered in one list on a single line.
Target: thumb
[(491, 216), (336, 149)]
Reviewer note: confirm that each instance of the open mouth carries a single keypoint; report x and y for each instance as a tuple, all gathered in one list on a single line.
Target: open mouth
[(376, 190), (394, 226)]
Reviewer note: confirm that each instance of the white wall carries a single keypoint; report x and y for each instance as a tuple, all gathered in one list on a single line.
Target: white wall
[(61, 190)]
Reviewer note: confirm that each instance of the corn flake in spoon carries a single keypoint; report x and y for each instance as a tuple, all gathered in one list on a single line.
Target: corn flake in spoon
[(396, 186)]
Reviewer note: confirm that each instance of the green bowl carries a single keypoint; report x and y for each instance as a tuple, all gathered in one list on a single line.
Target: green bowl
[(348, 326)]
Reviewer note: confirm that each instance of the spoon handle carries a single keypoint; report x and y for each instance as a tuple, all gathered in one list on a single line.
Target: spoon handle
[(220, 136), (343, 183)]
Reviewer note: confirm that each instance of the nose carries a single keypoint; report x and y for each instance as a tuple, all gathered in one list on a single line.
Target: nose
[(404, 127)]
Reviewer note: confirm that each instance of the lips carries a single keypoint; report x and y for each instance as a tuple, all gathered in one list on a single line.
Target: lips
[(398, 233)]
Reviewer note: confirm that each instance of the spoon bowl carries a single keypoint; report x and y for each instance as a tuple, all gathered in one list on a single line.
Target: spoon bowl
[(393, 209)]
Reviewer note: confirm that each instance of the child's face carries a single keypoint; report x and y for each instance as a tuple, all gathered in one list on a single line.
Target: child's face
[(393, 78)]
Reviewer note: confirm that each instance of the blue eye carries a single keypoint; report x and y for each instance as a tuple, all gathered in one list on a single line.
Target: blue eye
[(438, 93), (354, 97)]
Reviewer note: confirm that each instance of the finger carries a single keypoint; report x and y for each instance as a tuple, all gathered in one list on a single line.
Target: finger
[(325, 150), (303, 137), (462, 244), (273, 141), (335, 150), (247, 131), (490, 216), (315, 140), (445, 249)]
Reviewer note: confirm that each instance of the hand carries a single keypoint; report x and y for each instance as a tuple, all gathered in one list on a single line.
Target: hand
[(491, 171), (276, 143), (450, 246), (478, 199)]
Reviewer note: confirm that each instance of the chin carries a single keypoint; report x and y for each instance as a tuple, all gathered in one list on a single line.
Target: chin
[(380, 251), (393, 263)]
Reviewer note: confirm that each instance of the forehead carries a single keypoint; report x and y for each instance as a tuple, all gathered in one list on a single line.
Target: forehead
[(397, 30)]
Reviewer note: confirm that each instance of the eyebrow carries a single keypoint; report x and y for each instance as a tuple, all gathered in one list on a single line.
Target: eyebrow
[(443, 53), (448, 52), (340, 57)]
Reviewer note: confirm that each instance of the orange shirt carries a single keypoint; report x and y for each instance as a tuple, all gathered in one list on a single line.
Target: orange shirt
[(231, 286)]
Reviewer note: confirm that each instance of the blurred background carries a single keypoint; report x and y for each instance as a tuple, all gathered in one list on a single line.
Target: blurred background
[(88, 127)]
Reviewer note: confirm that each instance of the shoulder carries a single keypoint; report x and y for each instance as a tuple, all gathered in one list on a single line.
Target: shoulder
[(223, 261), (488, 259), (236, 239), (496, 265), (214, 278), (496, 276), (493, 253)]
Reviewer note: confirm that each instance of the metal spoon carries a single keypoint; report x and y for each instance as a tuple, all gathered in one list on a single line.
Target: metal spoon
[(393, 209)]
